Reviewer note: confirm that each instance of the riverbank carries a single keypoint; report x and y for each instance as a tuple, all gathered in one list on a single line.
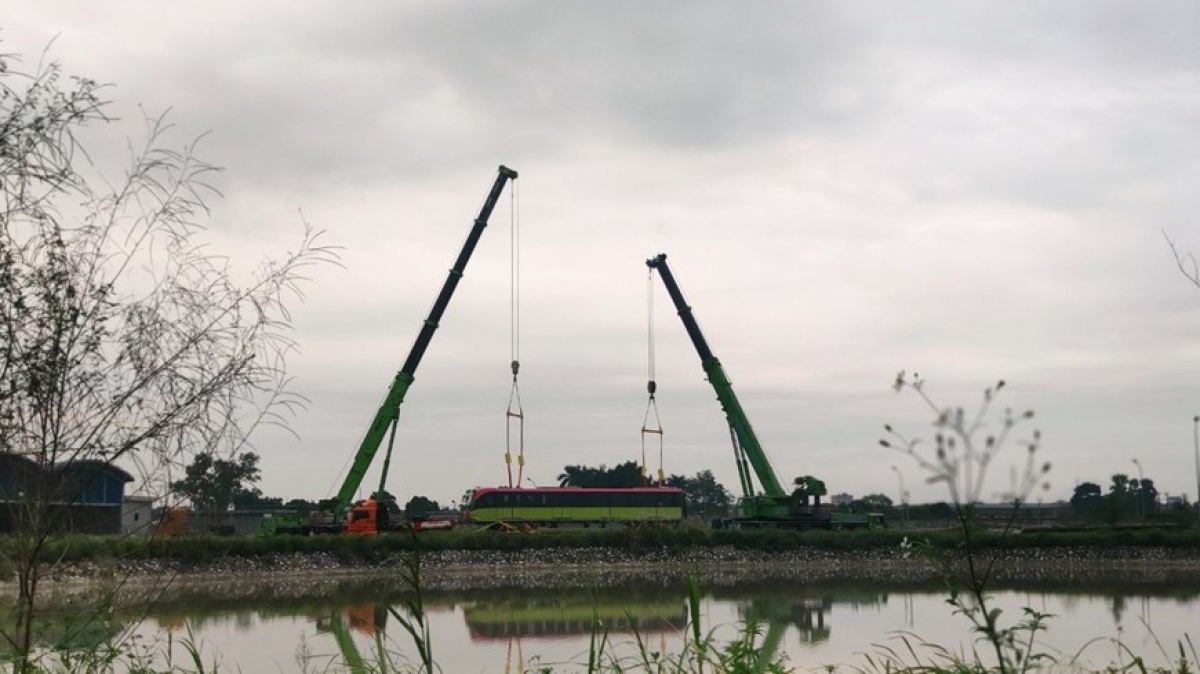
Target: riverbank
[(316, 574)]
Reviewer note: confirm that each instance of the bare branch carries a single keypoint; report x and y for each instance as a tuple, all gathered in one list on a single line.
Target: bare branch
[(1186, 261), (123, 338)]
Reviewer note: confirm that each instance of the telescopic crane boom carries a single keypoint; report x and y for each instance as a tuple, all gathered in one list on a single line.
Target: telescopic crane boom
[(774, 505), (389, 411)]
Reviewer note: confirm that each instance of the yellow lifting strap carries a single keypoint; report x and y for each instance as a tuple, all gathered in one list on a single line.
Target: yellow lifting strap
[(515, 411), (652, 425)]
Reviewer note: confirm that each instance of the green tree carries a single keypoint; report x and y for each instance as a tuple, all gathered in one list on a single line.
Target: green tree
[(706, 497), (572, 476), (254, 500), (302, 506), (871, 503), (1121, 499), (1146, 496), (677, 481), (1087, 499), (808, 487), (213, 485), (932, 512), (876, 503), (418, 506), (627, 474)]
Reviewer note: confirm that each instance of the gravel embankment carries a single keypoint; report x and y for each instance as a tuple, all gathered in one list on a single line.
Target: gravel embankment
[(314, 574)]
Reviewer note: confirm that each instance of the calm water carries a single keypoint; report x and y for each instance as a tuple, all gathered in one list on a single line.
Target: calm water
[(497, 631)]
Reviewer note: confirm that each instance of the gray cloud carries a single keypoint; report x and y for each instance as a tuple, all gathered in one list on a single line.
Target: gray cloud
[(971, 191)]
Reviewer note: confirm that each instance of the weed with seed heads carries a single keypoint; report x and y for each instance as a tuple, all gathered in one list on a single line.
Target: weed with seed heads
[(966, 445)]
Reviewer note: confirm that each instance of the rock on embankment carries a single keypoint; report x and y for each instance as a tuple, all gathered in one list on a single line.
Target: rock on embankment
[(314, 573)]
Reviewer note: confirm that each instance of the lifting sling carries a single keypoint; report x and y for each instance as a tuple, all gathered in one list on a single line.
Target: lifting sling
[(651, 424), (515, 411)]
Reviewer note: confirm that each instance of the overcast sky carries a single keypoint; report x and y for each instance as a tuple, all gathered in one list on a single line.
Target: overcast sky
[(845, 190)]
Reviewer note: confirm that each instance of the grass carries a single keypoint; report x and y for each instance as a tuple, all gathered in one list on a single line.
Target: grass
[(355, 549)]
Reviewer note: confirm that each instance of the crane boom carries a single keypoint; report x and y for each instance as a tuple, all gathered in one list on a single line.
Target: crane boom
[(739, 424), (773, 506), (390, 409)]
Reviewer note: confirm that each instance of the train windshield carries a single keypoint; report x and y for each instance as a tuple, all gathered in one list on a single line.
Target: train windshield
[(467, 499)]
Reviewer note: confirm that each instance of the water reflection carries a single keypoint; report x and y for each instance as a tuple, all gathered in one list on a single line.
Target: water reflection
[(553, 617), (65, 630), (806, 616), (815, 624), (806, 611), (367, 620)]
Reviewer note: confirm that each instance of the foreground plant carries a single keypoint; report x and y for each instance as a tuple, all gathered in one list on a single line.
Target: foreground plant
[(965, 447), (124, 343), (416, 624)]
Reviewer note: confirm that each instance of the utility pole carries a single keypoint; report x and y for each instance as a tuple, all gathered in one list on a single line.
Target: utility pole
[(1141, 493), (903, 498), (1196, 445)]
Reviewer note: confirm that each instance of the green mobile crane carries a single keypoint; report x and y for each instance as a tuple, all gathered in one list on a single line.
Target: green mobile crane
[(772, 505), (373, 515)]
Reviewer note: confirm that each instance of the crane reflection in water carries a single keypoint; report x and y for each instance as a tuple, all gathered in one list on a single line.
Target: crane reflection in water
[(559, 617), (661, 614)]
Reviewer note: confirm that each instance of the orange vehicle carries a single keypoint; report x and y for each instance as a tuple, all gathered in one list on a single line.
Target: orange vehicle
[(174, 523), (372, 516)]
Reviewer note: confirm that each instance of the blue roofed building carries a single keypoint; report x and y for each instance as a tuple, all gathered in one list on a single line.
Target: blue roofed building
[(84, 496)]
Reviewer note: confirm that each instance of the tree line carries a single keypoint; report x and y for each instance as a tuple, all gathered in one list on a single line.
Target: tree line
[(213, 484), (1126, 498), (704, 496)]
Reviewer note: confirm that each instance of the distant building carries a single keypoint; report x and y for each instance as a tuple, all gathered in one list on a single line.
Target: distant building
[(1028, 513), (85, 496), (18, 476), (841, 499), (230, 522), (137, 515)]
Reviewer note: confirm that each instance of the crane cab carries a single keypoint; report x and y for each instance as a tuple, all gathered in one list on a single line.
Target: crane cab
[(369, 517)]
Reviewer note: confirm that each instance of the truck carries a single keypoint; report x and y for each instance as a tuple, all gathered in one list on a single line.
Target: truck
[(768, 504), (380, 512)]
